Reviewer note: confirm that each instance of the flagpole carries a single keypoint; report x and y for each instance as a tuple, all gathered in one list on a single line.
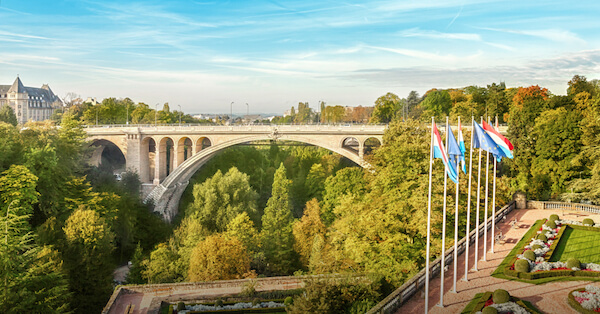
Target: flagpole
[(429, 220), (487, 163), (478, 201), (469, 202), (494, 198), (456, 216), (443, 265)]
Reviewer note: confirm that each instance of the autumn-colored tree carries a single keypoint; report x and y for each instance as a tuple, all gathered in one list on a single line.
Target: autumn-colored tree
[(306, 229), (219, 257)]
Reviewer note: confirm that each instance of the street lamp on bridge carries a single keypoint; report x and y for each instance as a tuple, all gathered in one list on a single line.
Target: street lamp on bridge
[(231, 112), (179, 115), (156, 115)]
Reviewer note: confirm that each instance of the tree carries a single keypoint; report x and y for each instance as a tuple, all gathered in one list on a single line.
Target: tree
[(135, 274), (276, 236), (305, 230), (437, 104), (304, 114), (242, 228), (10, 146), (221, 198), (161, 266), (7, 115), (346, 181), (558, 141), (219, 258), (88, 259), (386, 108)]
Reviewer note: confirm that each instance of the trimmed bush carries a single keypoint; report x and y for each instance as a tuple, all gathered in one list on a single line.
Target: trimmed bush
[(542, 237), (588, 222), (551, 224), (501, 296), (553, 217), (536, 246), (573, 262), (180, 306), (219, 302), (522, 266), (288, 301), (489, 310), (529, 255)]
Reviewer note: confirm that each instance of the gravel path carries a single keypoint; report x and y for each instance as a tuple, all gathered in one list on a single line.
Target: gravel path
[(549, 297)]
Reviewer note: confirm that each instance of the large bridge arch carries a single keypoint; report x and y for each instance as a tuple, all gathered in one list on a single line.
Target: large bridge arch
[(167, 194), (107, 151)]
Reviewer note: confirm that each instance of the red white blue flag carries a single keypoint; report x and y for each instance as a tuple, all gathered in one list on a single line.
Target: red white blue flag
[(503, 143), (440, 152)]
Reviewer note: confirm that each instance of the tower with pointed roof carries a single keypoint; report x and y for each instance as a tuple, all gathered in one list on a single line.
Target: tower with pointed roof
[(29, 103)]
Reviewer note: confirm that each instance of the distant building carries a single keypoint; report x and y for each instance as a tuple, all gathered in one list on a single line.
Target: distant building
[(29, 103)]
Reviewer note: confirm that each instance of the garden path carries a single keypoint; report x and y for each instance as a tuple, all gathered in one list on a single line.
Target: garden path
[(549, 298)]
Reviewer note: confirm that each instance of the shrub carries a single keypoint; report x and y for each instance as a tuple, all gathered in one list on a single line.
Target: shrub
[(529, 255), (551, 224), (536, 246), (219, 302), (553, 217), (501, 296), (522, 266), (288, 301), (588, 222), (255, 302), (573, 262), (180, 306), (489, 310), (542, 237)]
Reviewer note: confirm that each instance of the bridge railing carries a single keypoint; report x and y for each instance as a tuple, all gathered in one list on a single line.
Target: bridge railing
[(401, 295), (152, 125)]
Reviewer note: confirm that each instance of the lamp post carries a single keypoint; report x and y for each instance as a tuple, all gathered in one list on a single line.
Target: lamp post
[(179, 115), (231, 112), (96, 114), (127, 115), (248, 112), (156, 115)]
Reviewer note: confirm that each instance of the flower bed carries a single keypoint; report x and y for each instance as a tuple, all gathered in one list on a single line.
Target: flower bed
[(542, 245), (585, 300), (485, 299)]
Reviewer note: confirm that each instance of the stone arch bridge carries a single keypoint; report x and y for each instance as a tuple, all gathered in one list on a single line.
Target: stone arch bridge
[(166, 157)]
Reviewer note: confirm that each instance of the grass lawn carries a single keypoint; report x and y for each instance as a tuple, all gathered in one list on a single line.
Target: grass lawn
[(581, 244)]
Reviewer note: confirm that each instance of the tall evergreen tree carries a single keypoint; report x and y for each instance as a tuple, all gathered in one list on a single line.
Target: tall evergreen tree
[(276, 235)]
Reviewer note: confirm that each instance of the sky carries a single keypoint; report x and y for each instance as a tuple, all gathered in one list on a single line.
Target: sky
[(266, 56)]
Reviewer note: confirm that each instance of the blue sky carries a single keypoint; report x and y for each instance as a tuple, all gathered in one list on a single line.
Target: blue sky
[(202, 55)]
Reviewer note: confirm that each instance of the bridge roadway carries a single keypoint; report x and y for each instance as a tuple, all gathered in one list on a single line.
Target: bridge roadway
[(166, 156)]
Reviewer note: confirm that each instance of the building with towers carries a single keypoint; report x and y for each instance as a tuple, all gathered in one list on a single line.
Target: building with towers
[(29, 103)]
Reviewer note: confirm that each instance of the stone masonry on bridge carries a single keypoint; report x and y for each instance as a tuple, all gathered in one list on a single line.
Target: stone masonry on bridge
[(166, 157)]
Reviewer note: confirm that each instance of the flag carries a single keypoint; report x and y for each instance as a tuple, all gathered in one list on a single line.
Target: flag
[(504, 144), (461, 145), (483, 140), (440, 152), (453, 149)]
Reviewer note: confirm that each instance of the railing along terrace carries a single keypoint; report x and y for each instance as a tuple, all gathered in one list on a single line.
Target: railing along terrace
[(401, 295), (563, 206)]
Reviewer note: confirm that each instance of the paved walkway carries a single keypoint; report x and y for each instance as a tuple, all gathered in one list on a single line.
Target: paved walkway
[(549, 297)]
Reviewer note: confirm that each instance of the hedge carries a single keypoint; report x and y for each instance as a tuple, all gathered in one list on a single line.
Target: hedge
[(576, 306), (479, 300)]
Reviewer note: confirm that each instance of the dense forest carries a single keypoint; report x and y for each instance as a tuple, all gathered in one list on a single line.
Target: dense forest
[(264, 210)]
